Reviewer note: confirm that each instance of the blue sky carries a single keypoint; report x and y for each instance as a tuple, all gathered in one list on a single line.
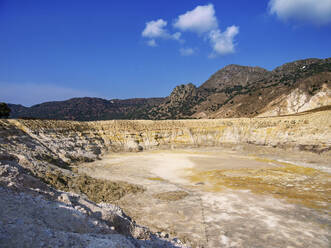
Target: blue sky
[(55, 50)]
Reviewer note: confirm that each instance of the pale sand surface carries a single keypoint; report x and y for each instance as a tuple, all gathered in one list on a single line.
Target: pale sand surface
[(226, 216), (172, 165)]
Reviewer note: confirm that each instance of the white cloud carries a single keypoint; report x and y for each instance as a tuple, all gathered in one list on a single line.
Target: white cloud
[(201, 19), (223, 43), (29, 93), (186, 51), (152, 43), (155, 29), (316, 11), (177, 36)]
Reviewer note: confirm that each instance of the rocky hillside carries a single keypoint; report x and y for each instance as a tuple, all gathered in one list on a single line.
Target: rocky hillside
[(234, 91), (242, 91), (234, 75)]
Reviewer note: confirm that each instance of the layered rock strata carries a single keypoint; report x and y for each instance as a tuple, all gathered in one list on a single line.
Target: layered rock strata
[(83, 141)]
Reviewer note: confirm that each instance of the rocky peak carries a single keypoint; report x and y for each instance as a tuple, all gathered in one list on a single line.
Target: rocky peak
[(232, 75), (233, 68), (183, 92)]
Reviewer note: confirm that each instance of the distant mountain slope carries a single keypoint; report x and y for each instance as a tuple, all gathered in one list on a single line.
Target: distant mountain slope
[(242, 91), (234, 91), (87, 108)]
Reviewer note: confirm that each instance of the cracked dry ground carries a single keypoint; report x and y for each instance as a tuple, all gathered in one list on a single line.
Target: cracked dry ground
[(227, 197)]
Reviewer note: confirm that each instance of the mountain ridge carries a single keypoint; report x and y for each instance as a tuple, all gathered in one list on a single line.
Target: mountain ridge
[(233, 91), (86, 109), (242, 91)]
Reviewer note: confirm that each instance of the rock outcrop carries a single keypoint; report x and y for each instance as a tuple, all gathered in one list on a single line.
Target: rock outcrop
[(298, 100), (179, 104)]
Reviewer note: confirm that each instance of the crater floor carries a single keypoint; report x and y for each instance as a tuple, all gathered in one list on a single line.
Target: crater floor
[(227, 197)]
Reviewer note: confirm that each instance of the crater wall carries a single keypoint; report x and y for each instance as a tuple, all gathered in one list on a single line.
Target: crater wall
[(35, 152), (83, 141)]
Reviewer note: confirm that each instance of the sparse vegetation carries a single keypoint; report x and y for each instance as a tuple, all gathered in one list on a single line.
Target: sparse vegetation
[(4, 110)]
